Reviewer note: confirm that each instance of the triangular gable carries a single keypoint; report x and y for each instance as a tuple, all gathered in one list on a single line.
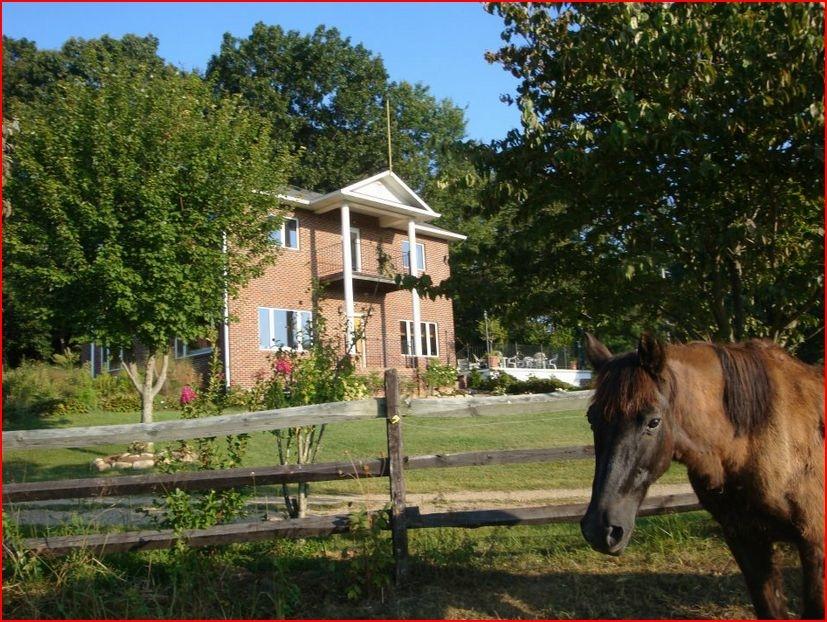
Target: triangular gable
[(388, 187)]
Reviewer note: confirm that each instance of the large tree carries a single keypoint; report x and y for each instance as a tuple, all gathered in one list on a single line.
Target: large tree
[(139, 199), (668, 170), (326, 96)]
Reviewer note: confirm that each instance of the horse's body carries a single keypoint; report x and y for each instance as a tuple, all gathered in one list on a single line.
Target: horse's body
[(748, 422)]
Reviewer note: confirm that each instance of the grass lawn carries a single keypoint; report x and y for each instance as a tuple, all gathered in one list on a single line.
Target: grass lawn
[(675, 567), (366, 439)]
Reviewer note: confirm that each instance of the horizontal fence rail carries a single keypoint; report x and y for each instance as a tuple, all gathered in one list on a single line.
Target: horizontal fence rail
[(317, 414), (261, 476), (336, 524)]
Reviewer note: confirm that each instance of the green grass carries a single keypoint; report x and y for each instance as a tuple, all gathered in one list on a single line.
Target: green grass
[(675, 567), (366, 439)]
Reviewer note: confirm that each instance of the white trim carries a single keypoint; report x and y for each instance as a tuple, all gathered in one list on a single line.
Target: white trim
[(92, 359), (298, 329), (439, 232)]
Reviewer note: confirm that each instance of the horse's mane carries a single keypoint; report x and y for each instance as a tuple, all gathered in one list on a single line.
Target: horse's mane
[(747, 386), (624, 387)]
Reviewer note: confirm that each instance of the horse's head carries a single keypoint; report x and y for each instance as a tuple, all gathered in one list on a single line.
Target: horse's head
[(633, 442)]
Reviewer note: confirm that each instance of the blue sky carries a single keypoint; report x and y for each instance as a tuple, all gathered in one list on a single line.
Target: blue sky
[(441, 45)]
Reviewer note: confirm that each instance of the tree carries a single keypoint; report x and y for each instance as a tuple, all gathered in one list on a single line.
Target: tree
[(139, 200), (668, 171), (32, 325), (327, 96)]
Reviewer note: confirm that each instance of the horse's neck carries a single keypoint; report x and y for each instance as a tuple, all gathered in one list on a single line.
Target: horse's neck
[(704, 438)]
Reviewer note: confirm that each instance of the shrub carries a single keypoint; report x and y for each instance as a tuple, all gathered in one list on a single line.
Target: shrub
[(180, 373), (505, 384), (37, 389), (438, 375), (116, 393)]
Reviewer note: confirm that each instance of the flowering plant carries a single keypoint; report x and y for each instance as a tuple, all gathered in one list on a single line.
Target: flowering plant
[(188, 395)]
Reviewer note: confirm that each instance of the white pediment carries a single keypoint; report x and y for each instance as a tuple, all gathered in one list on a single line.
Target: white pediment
[(380, 190), (387, 187)]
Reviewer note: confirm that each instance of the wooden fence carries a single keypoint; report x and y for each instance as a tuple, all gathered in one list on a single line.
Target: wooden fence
[(392, 409)]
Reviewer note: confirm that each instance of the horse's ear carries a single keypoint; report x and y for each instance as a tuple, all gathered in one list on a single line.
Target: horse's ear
[(651, 353), (596, 352)]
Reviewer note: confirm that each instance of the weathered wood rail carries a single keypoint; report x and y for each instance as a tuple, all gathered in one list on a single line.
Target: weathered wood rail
[(393, 467)]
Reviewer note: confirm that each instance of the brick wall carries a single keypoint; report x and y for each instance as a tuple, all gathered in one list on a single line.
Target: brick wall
[(287, 285)]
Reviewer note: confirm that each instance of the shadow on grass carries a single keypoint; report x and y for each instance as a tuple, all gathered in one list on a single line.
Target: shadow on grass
[(457, 592), (18, 470), (431, 592)]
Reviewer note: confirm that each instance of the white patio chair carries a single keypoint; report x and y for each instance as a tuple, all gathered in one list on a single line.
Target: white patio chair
[(528, 362), (552, 362), (540, 360)]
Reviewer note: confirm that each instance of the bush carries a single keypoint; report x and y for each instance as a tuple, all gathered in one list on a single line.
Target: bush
[(36, 389), (180, 373), (505, 384), (116, 393), (438, 375)]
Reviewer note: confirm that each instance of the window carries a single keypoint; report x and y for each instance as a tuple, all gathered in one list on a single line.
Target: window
[(420, 256), (284, 328), (183, 349), (110, 362), (355, 250), (288, 234), (430, 342)]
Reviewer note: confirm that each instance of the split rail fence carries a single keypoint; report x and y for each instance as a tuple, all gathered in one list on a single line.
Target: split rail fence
[(390, 408)]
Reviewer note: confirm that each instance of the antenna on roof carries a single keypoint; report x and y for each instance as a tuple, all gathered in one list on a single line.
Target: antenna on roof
[(388, 115)]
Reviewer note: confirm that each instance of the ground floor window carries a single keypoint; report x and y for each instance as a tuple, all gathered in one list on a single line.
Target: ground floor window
[(430, 340), (284, 328), (184, 348)]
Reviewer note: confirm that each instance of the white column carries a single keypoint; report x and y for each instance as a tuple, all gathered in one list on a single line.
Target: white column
[(347, 274), (417, 320)]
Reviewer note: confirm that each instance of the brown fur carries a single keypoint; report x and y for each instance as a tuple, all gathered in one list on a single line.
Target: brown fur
[(747, 420)]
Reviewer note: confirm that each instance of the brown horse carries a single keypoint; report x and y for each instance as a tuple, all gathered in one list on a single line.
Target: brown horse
[(747, 420)]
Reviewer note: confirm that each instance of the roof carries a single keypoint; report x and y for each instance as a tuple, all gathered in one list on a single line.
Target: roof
[(383, 195)]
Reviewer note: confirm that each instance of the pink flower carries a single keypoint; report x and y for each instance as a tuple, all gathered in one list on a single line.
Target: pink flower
[(283, 366), (188, 395)]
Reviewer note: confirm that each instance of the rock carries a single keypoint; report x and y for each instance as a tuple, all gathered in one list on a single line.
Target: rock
[(101, 465), (121, 465), (147, 456), (143, 464)]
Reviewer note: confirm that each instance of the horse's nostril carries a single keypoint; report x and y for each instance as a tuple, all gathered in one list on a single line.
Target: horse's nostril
[(614, 535)]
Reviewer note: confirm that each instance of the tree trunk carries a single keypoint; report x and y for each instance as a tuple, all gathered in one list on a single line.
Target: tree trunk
[(148, 387)]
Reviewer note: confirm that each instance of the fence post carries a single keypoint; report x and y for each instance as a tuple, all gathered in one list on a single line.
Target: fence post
[(399, 531)]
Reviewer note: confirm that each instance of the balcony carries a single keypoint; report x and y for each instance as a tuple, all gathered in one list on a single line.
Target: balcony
[(375, 266)]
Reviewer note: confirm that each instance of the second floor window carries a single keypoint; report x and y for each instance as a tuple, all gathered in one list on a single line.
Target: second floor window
[(288, 234), (420, 256), (284, 328)]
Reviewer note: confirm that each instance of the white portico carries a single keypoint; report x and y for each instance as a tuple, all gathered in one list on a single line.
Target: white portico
[(396, 206)]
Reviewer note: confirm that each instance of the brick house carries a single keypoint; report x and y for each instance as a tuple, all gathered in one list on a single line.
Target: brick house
[(353, 241)]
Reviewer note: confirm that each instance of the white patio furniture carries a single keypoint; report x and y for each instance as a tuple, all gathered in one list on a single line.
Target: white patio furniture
[(540, 360), (528, 362), (552, 362)]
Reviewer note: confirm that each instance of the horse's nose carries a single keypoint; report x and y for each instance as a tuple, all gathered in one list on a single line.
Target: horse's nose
[(614, 536)]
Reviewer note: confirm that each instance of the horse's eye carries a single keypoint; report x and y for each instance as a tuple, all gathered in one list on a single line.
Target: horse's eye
[(653, 423)]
